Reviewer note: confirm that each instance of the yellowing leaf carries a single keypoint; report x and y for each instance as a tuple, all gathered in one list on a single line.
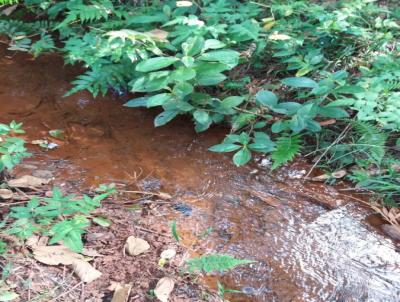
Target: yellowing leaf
[(184, 3), (277, 36), (268, 25)]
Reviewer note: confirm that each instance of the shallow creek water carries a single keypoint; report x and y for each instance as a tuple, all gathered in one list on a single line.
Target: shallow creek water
[(309, 241)]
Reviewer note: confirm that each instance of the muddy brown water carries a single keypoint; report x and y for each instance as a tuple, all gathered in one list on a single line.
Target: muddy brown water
[(310, 243)]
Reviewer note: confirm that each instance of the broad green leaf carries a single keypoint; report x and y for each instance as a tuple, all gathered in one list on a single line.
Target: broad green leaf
[(209, 68), (182, 89), (242, 157), (155, 64), (333, 112), (352, 89), (262, 143), (158, 99), (183, 74), (279, 126), (213, 44), (201, 116), (228, 57), (193, 46), (300, 82), (224, 147), (137, 102), (151, 82), (266, 98), (165, 117), (232, 101), (341, 102), (210, 80)]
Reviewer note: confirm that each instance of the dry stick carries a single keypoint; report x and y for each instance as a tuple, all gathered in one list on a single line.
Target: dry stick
[(338, 139), (67, 292), (162, 195)]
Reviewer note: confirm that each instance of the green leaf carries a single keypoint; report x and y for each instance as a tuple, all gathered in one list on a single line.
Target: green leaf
[(279, 126), (210, 80), (352, 89), (262, 143), (224, 147), (227, 57), (183, 74), (266, 98), (232, 101), (155, 64), (286, 149), (158, 99), (174, 231), (193, 46), (300, 82), (183, 89), (6, 296), (215, 262), (341, 102), (165, 117), (137, 102), (104, 222), (213, 44), (333, 112), (242, 157), (201, 116)]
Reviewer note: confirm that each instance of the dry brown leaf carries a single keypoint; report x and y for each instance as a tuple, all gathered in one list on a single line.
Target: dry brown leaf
[(163, 195), (135, 246), (28, 181), (158, 34), (85, 271), (9, 10), (6, 194), (121, 292), (90, 252), (55, 255), (337, 174), (164, 288)]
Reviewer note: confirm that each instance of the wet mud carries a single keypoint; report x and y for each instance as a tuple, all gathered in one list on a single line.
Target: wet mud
[(310, 242)]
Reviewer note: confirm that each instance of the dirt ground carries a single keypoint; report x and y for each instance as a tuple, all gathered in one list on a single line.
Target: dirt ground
[(141, 217)]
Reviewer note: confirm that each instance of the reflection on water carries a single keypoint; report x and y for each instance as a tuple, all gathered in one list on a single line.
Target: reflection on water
[(304, 251)]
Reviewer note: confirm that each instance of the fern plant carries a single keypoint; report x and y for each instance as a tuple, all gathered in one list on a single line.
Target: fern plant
[(215, 262), (287, 147)]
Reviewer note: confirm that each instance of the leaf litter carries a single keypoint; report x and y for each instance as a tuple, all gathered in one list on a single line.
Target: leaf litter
[(60, 274)]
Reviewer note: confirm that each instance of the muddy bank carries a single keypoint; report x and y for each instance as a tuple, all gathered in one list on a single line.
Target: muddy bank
[(311, 243)]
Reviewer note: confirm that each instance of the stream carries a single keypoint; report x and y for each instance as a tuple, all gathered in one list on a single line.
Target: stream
[(310, 241)]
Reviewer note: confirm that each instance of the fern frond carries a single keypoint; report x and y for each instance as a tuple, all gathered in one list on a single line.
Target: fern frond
[(8, 2), (214, 262), (97, 10), (287, 147), (372, 140)]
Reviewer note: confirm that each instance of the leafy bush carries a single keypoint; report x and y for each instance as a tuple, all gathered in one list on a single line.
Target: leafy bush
[(63, 218), (281, 75), (12, 149)]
